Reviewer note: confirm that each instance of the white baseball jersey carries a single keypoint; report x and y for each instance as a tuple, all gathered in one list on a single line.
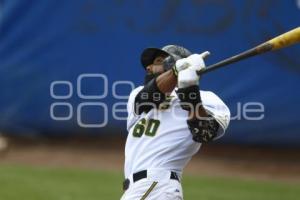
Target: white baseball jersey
[(161, 139)]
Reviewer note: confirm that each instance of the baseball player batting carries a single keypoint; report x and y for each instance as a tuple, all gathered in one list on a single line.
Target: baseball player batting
[(169, 119)]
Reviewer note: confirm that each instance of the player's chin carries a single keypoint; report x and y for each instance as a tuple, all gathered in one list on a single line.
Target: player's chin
[(149, 77)]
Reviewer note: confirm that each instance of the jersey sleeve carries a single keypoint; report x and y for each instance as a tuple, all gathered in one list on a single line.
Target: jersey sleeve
[(218, 110), (132, 116)]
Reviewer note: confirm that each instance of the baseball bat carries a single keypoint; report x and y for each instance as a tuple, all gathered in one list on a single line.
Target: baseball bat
[(279, 42)]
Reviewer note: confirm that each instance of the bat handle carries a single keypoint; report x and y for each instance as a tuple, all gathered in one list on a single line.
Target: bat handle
[(246, 54), (203, 71)]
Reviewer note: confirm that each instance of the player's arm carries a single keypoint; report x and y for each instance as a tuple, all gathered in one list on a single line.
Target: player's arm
[(203, 126), (155, 91), (166, 82)]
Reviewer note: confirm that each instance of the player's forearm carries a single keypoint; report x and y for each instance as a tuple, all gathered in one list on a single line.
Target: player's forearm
[(191, 101), (198, 113), (154, 92), (166, 82)]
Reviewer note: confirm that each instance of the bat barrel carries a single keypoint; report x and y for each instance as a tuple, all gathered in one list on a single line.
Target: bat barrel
[(286, 39), (281, 41)]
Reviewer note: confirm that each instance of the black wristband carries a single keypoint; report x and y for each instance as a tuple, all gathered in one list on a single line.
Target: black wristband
[(189, 97)]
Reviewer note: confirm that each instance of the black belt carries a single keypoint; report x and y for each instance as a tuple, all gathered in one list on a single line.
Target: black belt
[(143, 174)]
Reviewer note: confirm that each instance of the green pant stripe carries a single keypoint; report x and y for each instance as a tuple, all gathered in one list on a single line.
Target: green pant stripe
[(149, 190)]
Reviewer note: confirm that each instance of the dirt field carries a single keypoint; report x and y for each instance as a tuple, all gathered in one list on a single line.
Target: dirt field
[(100, 153)]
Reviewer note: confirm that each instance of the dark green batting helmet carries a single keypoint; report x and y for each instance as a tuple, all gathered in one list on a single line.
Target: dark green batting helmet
[(172, 53)]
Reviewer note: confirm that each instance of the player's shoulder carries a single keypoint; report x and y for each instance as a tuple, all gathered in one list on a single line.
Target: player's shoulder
[(210, 98), (134, 92), (205, 94)]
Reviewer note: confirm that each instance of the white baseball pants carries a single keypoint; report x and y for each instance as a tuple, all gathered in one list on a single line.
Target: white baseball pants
[(157, 186)]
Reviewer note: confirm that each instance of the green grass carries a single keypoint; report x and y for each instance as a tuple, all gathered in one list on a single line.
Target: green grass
[(44, 183)]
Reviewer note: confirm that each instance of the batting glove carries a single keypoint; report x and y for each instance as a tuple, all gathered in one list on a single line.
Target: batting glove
[(180, 65), (188, 77), (193, 60)]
